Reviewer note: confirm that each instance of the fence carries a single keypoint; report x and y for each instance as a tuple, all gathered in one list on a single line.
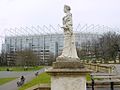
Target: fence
[(100, 68), (105, 80)]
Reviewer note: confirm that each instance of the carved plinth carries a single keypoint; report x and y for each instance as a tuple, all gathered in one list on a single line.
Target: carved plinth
[(68, 75), (69, 65), (68, 79), (68, 72), (67, 59)]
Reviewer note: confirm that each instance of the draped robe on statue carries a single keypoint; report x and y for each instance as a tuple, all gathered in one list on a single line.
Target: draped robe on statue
[(69, 49)]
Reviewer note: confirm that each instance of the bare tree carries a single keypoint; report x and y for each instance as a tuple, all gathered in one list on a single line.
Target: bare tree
[(104, 49), (26, 57), (3, 60), (109, 45), (51, 59), (84, 53)]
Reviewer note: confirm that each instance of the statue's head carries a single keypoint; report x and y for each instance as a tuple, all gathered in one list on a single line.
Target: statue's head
[(66, 8)]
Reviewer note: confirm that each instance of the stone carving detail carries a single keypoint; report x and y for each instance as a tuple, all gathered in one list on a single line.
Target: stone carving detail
[(69, 50)]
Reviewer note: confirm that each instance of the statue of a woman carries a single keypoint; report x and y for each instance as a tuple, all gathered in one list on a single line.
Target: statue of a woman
[(69, 50)]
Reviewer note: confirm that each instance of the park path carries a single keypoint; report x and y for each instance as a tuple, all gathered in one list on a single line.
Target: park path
[(10, 74), (13, 86)]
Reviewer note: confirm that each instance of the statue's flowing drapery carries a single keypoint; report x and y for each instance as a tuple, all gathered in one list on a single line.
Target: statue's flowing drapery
[(69, 49)]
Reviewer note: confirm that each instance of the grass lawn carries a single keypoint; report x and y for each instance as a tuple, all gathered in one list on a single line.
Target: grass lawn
[(5, 80), (40, 79), (88, 77), (21, 68)]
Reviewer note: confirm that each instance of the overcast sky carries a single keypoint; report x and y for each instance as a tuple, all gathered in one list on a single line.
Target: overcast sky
[(16, 13)]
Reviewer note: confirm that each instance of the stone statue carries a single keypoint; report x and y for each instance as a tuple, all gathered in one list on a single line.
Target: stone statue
[(69, 50), (68, 73)]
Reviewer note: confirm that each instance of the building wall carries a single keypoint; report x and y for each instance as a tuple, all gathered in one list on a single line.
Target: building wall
[(41, 45)]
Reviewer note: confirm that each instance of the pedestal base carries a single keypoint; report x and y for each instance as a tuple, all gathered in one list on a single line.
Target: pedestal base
[(68, 82), (68, 79), (67, 59), (68, 74)]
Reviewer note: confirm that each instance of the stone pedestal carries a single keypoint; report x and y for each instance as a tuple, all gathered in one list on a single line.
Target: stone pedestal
[(68, 76)]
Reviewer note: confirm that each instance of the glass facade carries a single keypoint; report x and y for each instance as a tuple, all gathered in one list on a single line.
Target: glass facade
[(43, 45)]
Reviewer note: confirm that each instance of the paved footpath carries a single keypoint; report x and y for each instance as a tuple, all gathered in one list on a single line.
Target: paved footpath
[(13, 86), (10, 74)]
